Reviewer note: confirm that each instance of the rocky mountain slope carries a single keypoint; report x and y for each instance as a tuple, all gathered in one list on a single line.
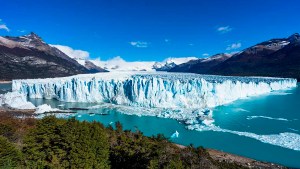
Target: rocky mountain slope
[(30, 57), (276, 57), (201, 65)]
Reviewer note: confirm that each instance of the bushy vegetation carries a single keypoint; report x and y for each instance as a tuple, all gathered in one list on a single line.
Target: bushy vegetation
[(68, 143)]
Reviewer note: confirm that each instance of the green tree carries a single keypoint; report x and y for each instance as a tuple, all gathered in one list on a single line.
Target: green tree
[(10, 156), (43, 145), (87, 144), (58, 143)]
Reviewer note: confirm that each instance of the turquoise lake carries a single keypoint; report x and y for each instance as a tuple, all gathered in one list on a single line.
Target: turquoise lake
[(274, 113)]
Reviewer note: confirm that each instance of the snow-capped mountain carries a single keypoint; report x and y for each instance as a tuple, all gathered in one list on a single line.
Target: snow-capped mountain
[(170, 63), (90, 66), (81, 57), (201, 65), (276, 57), (119, 64), (30, 57)]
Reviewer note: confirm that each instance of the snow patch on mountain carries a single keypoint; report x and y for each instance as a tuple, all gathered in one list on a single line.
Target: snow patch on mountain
[(171, 62)]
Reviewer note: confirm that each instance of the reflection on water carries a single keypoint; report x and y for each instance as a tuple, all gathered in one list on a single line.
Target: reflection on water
[(5, 87)]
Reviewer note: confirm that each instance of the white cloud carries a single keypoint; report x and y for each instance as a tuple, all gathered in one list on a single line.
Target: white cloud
[(178, 60), (119, 64), (205, 54), (72, 53), (22, 31), (234, 46), (224, 29), (4, 27), (139, 44)]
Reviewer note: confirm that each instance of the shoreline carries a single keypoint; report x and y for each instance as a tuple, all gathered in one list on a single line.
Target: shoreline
[(5, 82), (241, 160)]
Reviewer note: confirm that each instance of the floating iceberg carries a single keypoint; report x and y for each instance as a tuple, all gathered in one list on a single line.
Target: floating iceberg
[(175, 135), (45, 108), (15, 100), (266, 117)]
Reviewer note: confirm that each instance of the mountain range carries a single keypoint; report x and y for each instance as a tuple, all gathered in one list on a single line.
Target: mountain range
[(29, 56), (276, 57)]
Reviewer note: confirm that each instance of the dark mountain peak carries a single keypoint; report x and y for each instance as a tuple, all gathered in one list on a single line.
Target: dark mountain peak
[(93, 68), (31, 40), (219, 56), (33, 36), (295, 35), (28, 56), (294, 38)]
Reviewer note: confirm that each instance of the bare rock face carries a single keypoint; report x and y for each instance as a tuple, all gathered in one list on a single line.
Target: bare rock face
[(201, 65), (30, 57), (93, 68)]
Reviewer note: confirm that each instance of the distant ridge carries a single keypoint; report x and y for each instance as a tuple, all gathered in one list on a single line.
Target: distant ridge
[(275, 57)]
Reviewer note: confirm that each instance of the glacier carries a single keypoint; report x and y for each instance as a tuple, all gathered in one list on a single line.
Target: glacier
[(151, 90), (186, 97)]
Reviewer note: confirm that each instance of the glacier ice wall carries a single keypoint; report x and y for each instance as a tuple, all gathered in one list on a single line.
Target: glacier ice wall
[(160, 90)]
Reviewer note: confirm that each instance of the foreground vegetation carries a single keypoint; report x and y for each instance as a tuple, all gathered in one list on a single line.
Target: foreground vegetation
[(59, 143)]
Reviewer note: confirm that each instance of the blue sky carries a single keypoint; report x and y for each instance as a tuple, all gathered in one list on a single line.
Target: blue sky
[(151, 29)]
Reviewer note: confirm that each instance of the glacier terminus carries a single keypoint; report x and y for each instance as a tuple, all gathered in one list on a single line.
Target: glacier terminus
[(183, 96)]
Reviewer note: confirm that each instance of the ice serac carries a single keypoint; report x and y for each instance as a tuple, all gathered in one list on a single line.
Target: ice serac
[(160, 90)]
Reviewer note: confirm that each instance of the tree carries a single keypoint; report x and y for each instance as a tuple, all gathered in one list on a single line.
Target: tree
[(88, 144), (59, 143), (10, 156), (43, 145)]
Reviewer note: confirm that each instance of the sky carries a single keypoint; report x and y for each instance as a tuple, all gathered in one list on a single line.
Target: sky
[(147, 30)]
